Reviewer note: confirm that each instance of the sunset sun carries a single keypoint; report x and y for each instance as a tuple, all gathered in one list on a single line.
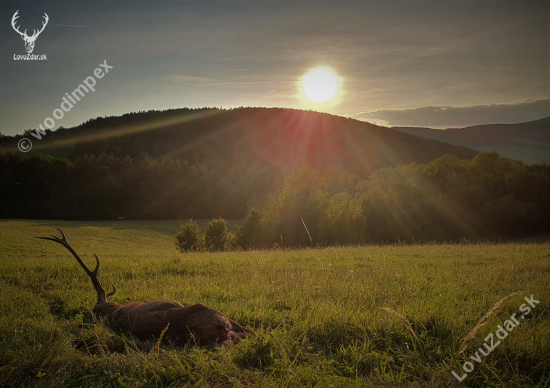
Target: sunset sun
[(320, 85)]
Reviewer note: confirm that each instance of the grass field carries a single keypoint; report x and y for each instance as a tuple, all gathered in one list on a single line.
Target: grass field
[(316, 313)]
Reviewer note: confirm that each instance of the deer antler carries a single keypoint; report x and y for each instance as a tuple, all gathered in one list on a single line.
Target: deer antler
[(101, 297), (15, 16), (35, 34)]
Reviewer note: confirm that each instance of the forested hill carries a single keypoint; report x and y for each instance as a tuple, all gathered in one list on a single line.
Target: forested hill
[(275, 169), (529, 142), (257, 137)]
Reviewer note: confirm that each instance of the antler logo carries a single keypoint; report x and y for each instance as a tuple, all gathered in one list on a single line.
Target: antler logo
[(29, 40)]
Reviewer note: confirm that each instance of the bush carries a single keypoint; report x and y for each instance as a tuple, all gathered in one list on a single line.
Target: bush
[(216, 236), (250, 232), (189, 237)]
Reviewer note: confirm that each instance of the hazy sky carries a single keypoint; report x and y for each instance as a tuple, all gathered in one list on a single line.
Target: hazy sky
[(437, 63)]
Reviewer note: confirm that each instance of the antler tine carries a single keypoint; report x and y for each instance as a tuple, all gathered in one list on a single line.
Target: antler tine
[(13, 19), (44, 23), (112, 292), (97, 264), (51, 238), (63, 241), (62, 234)]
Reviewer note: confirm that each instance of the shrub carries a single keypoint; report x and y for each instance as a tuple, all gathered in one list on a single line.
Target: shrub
[(216, 236), (189, 237), (232, 242), (250, 232)]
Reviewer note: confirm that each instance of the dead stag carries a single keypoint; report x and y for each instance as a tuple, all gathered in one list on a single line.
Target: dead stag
[(144, 319)]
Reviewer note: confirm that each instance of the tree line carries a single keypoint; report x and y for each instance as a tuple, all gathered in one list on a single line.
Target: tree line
[(446, 199), (107, 187)]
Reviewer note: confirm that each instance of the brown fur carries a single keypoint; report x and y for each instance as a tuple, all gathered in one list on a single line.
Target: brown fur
[(146, 319)]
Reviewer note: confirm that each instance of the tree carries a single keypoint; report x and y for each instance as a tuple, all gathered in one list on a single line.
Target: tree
[(189, 237), (216, 236)]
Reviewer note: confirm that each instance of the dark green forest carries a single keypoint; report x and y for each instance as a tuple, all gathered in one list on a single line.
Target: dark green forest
[(445, 200), (278, 170), (107, 187)]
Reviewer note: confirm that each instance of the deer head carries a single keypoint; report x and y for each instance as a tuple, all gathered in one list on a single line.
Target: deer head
[(29, 40)]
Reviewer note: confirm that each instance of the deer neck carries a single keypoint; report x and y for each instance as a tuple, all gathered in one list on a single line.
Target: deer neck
[(106, 309)]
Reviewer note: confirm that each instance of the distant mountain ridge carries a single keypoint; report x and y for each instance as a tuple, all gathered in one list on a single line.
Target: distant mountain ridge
[(529, 142), (254, 137)]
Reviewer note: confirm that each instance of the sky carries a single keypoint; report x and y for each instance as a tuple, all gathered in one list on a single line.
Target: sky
[(440, 64)]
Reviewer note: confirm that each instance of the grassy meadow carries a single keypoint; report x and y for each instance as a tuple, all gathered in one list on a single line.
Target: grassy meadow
[(316, 313)]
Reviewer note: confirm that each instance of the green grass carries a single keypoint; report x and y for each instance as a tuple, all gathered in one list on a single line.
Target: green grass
[(316, 313)]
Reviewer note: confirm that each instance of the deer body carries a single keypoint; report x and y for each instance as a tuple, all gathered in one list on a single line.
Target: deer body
[(146, 319)]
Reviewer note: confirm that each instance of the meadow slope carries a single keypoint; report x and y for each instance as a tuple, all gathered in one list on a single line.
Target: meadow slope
[(316, 313)]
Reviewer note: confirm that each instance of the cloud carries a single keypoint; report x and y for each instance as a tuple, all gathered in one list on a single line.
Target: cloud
[(454, 116), (439, 48), (238, 83), (69, 25), (180, 78)]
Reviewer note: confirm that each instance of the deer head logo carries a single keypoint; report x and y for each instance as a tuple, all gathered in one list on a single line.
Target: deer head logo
[(29, 40)]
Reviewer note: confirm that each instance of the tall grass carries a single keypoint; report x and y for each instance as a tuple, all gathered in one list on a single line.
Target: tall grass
[(316, 314)]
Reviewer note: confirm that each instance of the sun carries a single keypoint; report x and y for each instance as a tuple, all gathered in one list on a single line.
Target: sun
[(320, 85)]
